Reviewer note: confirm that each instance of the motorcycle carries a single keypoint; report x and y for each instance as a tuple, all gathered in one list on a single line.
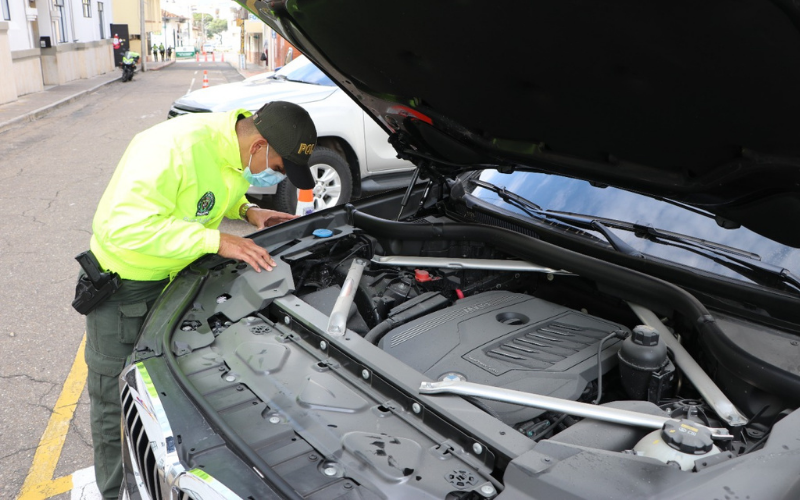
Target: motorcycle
[(127, 71), (128, 68)]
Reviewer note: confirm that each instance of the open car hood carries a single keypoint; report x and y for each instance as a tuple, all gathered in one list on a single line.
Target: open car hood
[(695, 102)]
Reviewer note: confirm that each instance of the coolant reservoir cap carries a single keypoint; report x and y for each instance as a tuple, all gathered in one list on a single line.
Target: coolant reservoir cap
[(322, 233), (687, 437), (645, 335)]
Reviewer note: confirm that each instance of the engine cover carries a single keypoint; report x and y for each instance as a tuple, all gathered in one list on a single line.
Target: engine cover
[(508, 340)]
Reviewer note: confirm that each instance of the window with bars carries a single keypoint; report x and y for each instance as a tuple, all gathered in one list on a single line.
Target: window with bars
[(87, 8)]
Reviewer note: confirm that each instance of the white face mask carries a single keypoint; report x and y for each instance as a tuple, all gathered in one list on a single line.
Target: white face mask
[(266, 178)]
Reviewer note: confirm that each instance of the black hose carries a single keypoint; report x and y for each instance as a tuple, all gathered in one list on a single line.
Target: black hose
[(407, 311), (627, 283), (620, 335), (377, 333)]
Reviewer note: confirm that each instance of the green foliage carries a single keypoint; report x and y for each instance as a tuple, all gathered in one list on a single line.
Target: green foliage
[(216, 26), (199, 21)]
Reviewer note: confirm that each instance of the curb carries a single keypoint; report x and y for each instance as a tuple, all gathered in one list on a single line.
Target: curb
[(161, 67), (38, 113)]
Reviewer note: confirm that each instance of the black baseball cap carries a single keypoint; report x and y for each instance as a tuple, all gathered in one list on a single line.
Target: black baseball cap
[(291, 133)]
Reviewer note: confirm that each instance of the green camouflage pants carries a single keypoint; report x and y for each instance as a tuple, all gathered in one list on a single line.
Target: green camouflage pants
[(111, 331)]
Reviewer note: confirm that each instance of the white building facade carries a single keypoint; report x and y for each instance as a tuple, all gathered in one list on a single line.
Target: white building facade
[(52, 42)]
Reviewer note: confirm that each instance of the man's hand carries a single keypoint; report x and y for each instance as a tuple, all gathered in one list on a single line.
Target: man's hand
[(261, 217), (236, 247)]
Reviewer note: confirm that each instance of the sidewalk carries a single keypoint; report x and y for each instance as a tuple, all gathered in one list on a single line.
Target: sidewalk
[(250, 69), (31, 107)]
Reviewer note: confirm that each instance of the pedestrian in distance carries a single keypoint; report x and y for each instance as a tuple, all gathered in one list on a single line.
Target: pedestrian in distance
[(161, 50), (161, 210), (169, 53), (155, 52)]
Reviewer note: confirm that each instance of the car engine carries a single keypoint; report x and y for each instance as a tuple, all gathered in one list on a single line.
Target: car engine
[(501, 328), (326, 354), (508, 340)]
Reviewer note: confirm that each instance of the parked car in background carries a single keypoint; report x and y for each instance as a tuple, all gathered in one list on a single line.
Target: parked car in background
[(185, 51), (208, 47), (594, 294), (352, 158)]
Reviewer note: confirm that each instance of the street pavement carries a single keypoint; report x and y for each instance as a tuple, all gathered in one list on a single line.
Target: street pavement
[(58, 149)]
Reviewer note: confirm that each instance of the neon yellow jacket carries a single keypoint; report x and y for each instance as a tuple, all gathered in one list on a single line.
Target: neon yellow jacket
[(168, 195), (130, 57)]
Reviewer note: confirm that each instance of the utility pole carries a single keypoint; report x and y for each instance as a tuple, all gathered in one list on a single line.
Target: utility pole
[(192, 9), (142, 36), (241, 22)]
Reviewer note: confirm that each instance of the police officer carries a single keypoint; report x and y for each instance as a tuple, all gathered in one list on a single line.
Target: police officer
[(129, 60), (169, 193), (130, 57)]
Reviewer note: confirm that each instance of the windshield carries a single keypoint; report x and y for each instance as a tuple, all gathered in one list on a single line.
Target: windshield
[(303, 70), (555, 193)]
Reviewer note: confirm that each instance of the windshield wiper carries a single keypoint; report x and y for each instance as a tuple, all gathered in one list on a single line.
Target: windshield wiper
[(577, 224), (746, 263)]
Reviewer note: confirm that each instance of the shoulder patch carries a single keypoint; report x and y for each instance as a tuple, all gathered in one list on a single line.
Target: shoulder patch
[(205, 204)]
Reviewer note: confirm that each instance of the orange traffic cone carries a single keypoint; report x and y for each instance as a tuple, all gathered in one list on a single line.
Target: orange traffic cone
[(223, 57), (205, 78), (305, 202)]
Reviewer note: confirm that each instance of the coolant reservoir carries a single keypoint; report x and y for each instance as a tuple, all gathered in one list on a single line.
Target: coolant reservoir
[(642, 354), (679, 441)]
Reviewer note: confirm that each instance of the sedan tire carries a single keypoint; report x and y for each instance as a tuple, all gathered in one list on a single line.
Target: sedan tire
[(334, 183)]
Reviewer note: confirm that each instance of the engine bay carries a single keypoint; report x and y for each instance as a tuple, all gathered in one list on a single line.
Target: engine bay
[(461, 313)]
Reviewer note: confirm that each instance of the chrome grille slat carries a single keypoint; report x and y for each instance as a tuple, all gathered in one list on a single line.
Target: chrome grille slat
[(142, 451), (155, 476)]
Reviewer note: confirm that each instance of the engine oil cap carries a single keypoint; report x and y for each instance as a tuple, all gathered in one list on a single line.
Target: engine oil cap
[(687, 437), (322, 233)]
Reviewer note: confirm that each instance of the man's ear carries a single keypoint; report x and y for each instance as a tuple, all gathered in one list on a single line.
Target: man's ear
[(257, 144)]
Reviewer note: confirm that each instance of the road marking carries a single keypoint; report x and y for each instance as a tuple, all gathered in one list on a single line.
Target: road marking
[(191, 85), (40, 484), (84, 486)]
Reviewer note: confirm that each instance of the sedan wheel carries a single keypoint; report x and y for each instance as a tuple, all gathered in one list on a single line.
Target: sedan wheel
[(333, 183), (329, 186)]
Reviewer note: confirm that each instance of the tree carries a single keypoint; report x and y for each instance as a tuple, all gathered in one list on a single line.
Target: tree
[(216, 26), (200, 22)]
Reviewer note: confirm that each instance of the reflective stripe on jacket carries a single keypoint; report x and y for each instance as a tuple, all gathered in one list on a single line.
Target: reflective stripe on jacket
[(168, 195)]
